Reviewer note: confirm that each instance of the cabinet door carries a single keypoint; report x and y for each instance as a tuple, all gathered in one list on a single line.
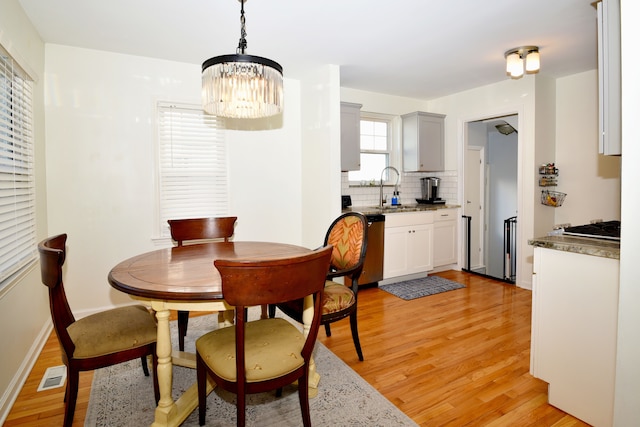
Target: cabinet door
[(350, 136), (609, 87), (445, 243), (408, 250), (420, 249), (396, 244), (423, 142), (431, 143)]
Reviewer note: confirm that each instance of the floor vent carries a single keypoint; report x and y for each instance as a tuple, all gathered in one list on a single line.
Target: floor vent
[(54, 377)]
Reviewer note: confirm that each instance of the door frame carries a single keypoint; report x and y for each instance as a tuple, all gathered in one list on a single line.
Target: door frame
[(463, 143)]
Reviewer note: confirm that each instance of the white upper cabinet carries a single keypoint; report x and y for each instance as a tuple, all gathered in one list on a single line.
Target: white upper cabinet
[(350, 136), (423, 142), (609, 87)]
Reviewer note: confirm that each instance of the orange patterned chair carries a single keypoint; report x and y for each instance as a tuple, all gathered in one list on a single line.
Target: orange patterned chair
[(348, 236)]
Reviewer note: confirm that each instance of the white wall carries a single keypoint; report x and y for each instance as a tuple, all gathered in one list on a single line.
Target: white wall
[(545, 151), (264, 171), (627, 397), (381, 103), (22, 335), (597, 194), (320, 175)]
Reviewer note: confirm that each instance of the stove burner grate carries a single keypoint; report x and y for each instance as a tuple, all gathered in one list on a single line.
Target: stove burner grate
[(600, 230)]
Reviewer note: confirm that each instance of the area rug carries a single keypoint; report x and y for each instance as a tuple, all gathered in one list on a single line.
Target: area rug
[(422, 287), (122, 396)]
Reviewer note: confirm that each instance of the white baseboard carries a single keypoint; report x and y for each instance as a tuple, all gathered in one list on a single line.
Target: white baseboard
[(17, 382), (524, 284)]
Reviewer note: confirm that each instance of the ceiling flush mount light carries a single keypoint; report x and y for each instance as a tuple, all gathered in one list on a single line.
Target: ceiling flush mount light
[(242, 86), (522, 59)]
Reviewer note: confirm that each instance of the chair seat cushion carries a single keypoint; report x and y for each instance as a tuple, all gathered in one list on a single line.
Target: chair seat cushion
[(272, 348), (112, 331), (336, 297)]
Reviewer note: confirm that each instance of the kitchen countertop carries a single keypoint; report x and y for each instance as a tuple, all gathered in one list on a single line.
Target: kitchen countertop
[(580, 245), (373, 210)]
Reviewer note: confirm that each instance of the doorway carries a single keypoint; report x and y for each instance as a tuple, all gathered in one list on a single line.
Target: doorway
[(491, 196)]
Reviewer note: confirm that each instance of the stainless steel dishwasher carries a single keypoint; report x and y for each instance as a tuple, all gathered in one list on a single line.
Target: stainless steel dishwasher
[(373, 261)]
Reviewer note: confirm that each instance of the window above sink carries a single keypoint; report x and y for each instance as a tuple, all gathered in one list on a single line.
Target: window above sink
[(379, 143)]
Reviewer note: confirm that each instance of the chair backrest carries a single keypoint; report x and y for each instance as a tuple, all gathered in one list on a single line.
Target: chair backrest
[(202, 228), (52, 257), (348, 236), (248, 283)]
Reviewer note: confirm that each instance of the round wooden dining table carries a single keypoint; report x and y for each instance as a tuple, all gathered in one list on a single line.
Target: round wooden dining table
[(184, 278)]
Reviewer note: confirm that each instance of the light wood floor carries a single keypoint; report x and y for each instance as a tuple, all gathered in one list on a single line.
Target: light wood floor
[(459, 358)]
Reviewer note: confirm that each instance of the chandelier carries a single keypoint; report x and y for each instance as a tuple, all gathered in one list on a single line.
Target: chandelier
[(522, 59), (242, 86)]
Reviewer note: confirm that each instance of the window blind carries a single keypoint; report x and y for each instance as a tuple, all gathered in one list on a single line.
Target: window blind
[(17, 188), (192, 164)]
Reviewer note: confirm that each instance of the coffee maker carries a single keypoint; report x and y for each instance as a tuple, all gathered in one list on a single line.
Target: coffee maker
[(430, 187)]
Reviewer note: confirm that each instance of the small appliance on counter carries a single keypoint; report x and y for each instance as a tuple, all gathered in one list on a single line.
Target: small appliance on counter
[(346, 201), (430, 186)]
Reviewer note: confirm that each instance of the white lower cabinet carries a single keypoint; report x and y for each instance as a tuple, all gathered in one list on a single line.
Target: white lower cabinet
[(445, 237), (574, 330), (408, 240)]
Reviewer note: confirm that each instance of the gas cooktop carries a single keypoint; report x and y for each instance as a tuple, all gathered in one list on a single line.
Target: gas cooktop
[(599, 230)]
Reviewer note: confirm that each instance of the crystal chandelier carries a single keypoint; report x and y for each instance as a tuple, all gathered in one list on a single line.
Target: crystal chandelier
[(242, 86), (522, 59)]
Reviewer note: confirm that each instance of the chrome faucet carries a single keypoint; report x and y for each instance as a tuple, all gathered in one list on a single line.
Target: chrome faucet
[(381, 181)]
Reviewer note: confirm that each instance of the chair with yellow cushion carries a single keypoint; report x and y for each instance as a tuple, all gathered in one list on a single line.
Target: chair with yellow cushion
[(96, 341), (348, 236), (266, 354)]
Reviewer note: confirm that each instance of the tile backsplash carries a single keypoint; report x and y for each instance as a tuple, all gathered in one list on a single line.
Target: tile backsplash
[(410, 189)]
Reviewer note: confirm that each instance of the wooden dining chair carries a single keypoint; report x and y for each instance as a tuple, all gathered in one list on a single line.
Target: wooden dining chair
[(348, 236), (265, 354), (96, 341), (194, 230)]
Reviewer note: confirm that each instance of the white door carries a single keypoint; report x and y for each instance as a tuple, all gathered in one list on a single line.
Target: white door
[(473, 197)]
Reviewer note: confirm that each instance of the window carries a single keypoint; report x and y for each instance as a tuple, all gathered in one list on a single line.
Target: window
[(17, 188), (192, 164), (375, 149)]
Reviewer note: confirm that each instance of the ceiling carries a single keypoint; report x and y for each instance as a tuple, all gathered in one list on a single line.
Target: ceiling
[(414, 48)]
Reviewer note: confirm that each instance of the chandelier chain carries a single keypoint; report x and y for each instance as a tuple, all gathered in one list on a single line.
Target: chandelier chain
[(242, 43)]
